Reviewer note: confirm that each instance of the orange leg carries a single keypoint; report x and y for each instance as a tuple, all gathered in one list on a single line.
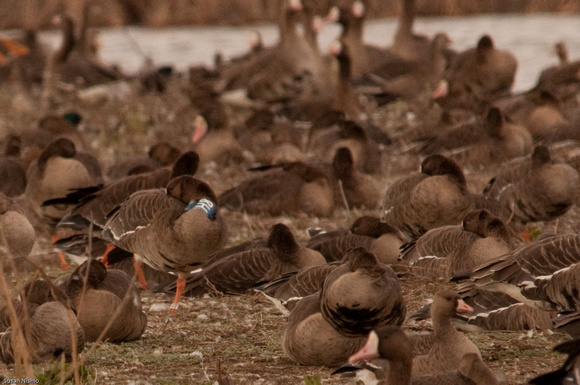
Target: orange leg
[(140, 274), (526, 235), (63, 263), (180, 288), (109, 248)]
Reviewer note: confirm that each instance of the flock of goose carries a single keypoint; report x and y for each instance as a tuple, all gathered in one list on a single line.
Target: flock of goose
[(306, 125)]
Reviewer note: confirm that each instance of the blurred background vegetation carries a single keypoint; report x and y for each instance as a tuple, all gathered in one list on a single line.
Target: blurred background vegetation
[(160, 13)]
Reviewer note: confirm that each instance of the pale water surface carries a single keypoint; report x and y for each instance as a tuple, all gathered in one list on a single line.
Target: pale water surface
[(529, 37)]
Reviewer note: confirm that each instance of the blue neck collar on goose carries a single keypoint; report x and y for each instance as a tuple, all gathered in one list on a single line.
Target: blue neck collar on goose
[(207, 206)]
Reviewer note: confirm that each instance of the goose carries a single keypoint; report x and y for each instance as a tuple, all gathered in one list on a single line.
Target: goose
[(509, 272), (443, 251), (54, 174), (96, 294), (407, 44), (568, 372), (436, 196), (391, 344), (48, 323), (292, 187), (159, 155), (310, 340), (17, 235), (381, 239), (239, 271), (361, 294), (213, 138), (163, 227), (537, 188), (482, 73), (442, 350)]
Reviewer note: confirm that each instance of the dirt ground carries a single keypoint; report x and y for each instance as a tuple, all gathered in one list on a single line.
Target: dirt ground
[(240, 337)]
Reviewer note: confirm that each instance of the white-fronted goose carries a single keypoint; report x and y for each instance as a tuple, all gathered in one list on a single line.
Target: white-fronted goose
[(47, 324), (381, 239), (442, 350), (443, 251), (391, 344), (54, 174), (568, 372), (536, 188), (436, 196), (539, 258), (310, 340), (407, 44), (360, 190), (17, 235), (361, 294), (96, 294), (294, 187), (159, 155), (240, 271), (175, 230), (213, 137), (482, 73)]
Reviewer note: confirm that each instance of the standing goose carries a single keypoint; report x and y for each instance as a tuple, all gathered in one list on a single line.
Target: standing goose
[(361, 294), (96, 294), (240, 271), (437, 196), (176, 230)]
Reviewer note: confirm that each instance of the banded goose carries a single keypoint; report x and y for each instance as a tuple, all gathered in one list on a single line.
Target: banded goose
[(436, 196), (361, 294), (174, 230)]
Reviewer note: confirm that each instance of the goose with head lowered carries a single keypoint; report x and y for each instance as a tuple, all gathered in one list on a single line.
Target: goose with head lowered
[(176, 230)]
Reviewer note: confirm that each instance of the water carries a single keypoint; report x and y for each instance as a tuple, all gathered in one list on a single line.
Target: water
[(529, 37)]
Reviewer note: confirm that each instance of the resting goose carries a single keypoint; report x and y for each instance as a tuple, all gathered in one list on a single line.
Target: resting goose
[(436, 196), (159, 155), (538, 188), (239, 271), (361, 294), (176, 230), (47, 323), (381, 239), (310, 340), (293, 187), (97, 294), (539, 258), (391, 344), (443, 251), (17, 235)]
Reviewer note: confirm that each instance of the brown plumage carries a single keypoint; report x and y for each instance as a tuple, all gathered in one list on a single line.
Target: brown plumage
[(159, 155), (12, 173), (535, 189), (361, 294), (54, 174), (175, 230), (443, 251), (539, 258), (381, 239), (293, 187), (17, 235), (240, 271), (310, 340), (97, 294), (47, 321), (436, 196)]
